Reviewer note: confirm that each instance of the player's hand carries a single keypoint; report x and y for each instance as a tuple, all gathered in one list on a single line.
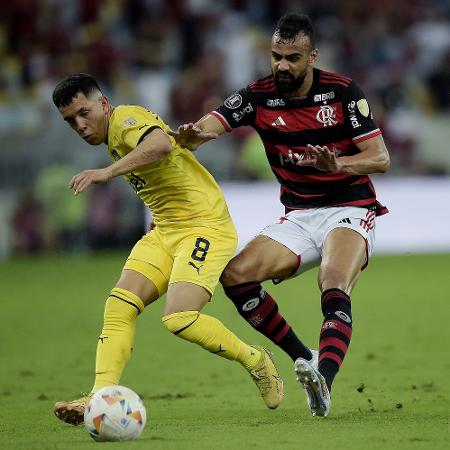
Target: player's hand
[(151, 225), (191, 136), (81, 181), (322, 158)]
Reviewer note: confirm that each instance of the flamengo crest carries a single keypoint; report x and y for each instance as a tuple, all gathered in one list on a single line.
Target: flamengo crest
[(326, 116)]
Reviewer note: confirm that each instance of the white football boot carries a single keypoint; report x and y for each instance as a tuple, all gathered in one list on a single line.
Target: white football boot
[(316, 390)]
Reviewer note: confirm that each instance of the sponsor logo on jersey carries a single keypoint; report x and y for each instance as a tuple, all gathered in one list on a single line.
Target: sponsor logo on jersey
[(273, 102), (237, 116), (233, 101), (324, 97), (294, 157), (129, 122), (250, 304), (353, 119), (326, 115)]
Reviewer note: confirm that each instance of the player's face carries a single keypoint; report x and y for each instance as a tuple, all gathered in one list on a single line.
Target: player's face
[(89, 117), (291, 61)]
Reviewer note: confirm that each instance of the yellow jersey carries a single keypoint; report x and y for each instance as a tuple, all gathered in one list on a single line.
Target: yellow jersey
[(178, 190)]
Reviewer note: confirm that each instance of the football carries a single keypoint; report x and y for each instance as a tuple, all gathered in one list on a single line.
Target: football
[(115, 413)]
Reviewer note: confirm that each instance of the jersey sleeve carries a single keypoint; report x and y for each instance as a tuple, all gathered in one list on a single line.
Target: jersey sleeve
[(133, 125), (358, 115), (237, 110)]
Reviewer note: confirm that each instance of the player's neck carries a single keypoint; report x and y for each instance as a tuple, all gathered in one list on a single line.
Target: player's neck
[(108, 120)]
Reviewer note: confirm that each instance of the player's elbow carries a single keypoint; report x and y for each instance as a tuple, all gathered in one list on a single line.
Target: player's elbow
[(384, 163), (165, 149)]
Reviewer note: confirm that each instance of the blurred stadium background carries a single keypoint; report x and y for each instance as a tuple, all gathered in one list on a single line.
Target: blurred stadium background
[(180, 59)]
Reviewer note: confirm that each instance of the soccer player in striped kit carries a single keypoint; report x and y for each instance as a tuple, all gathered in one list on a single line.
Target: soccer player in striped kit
[(322, 143)]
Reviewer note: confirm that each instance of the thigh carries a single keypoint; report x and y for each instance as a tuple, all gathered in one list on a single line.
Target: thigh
[(281, 250), (201, 255), (263, 258), (139, 285), (360, 220), (184, 296), (151, 258), (343, 256)]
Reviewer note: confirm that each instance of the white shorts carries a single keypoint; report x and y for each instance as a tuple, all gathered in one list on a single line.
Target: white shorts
[(304, 231)]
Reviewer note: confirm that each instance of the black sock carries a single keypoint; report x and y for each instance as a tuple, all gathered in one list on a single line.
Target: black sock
[(260, 310), (335, 334)]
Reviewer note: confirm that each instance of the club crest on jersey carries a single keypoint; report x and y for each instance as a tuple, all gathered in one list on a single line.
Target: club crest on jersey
[(326, 116), (129, 122), (324, 97), (233, 101)]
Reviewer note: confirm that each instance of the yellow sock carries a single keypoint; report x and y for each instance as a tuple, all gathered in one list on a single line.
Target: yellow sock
[(212, 335), (116, 341)]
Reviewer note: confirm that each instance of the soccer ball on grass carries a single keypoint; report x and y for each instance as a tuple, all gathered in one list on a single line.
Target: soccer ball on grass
[(115, 413)]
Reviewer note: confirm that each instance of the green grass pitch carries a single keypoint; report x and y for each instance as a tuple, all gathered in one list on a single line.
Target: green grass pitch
[(392, 391)]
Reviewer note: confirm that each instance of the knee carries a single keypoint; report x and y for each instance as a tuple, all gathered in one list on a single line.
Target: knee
[(236, 272), (179, 321), (334, 284), (334, 279)]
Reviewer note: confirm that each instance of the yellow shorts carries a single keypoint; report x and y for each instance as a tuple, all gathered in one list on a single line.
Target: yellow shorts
[(197, 255)]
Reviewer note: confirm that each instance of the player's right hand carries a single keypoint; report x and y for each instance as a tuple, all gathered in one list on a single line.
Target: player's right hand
[(85, 178), (191, 136)]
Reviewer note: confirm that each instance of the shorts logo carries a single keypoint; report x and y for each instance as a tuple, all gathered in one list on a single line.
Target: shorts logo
[(368, 223), (233, 101), (190, 263), (343, 316), (250, 304)]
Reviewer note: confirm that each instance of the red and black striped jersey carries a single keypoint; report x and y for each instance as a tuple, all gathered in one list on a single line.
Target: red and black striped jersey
[(335, 113)]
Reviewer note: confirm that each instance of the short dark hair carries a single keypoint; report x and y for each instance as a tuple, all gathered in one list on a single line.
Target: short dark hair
[(291, 24), (69, 87)]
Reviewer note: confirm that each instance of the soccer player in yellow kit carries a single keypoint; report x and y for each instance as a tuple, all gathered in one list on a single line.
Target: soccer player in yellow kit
[(183, 255)]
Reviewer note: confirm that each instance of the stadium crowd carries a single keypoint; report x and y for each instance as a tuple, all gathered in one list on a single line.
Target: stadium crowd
[(182, 57)]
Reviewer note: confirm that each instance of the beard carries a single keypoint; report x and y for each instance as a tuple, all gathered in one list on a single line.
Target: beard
[(286, 82)]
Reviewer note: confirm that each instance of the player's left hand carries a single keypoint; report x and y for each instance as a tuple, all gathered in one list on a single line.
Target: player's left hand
[(81, 181), (322, 158)]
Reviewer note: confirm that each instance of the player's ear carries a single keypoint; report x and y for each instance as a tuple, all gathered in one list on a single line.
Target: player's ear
[(105, 103), (314, 53)]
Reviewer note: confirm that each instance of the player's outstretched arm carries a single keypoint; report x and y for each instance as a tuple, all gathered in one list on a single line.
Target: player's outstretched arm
[(192, 135), (152, 149)]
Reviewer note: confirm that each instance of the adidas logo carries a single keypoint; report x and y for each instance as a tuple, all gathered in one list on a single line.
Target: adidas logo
[(279, 122)]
